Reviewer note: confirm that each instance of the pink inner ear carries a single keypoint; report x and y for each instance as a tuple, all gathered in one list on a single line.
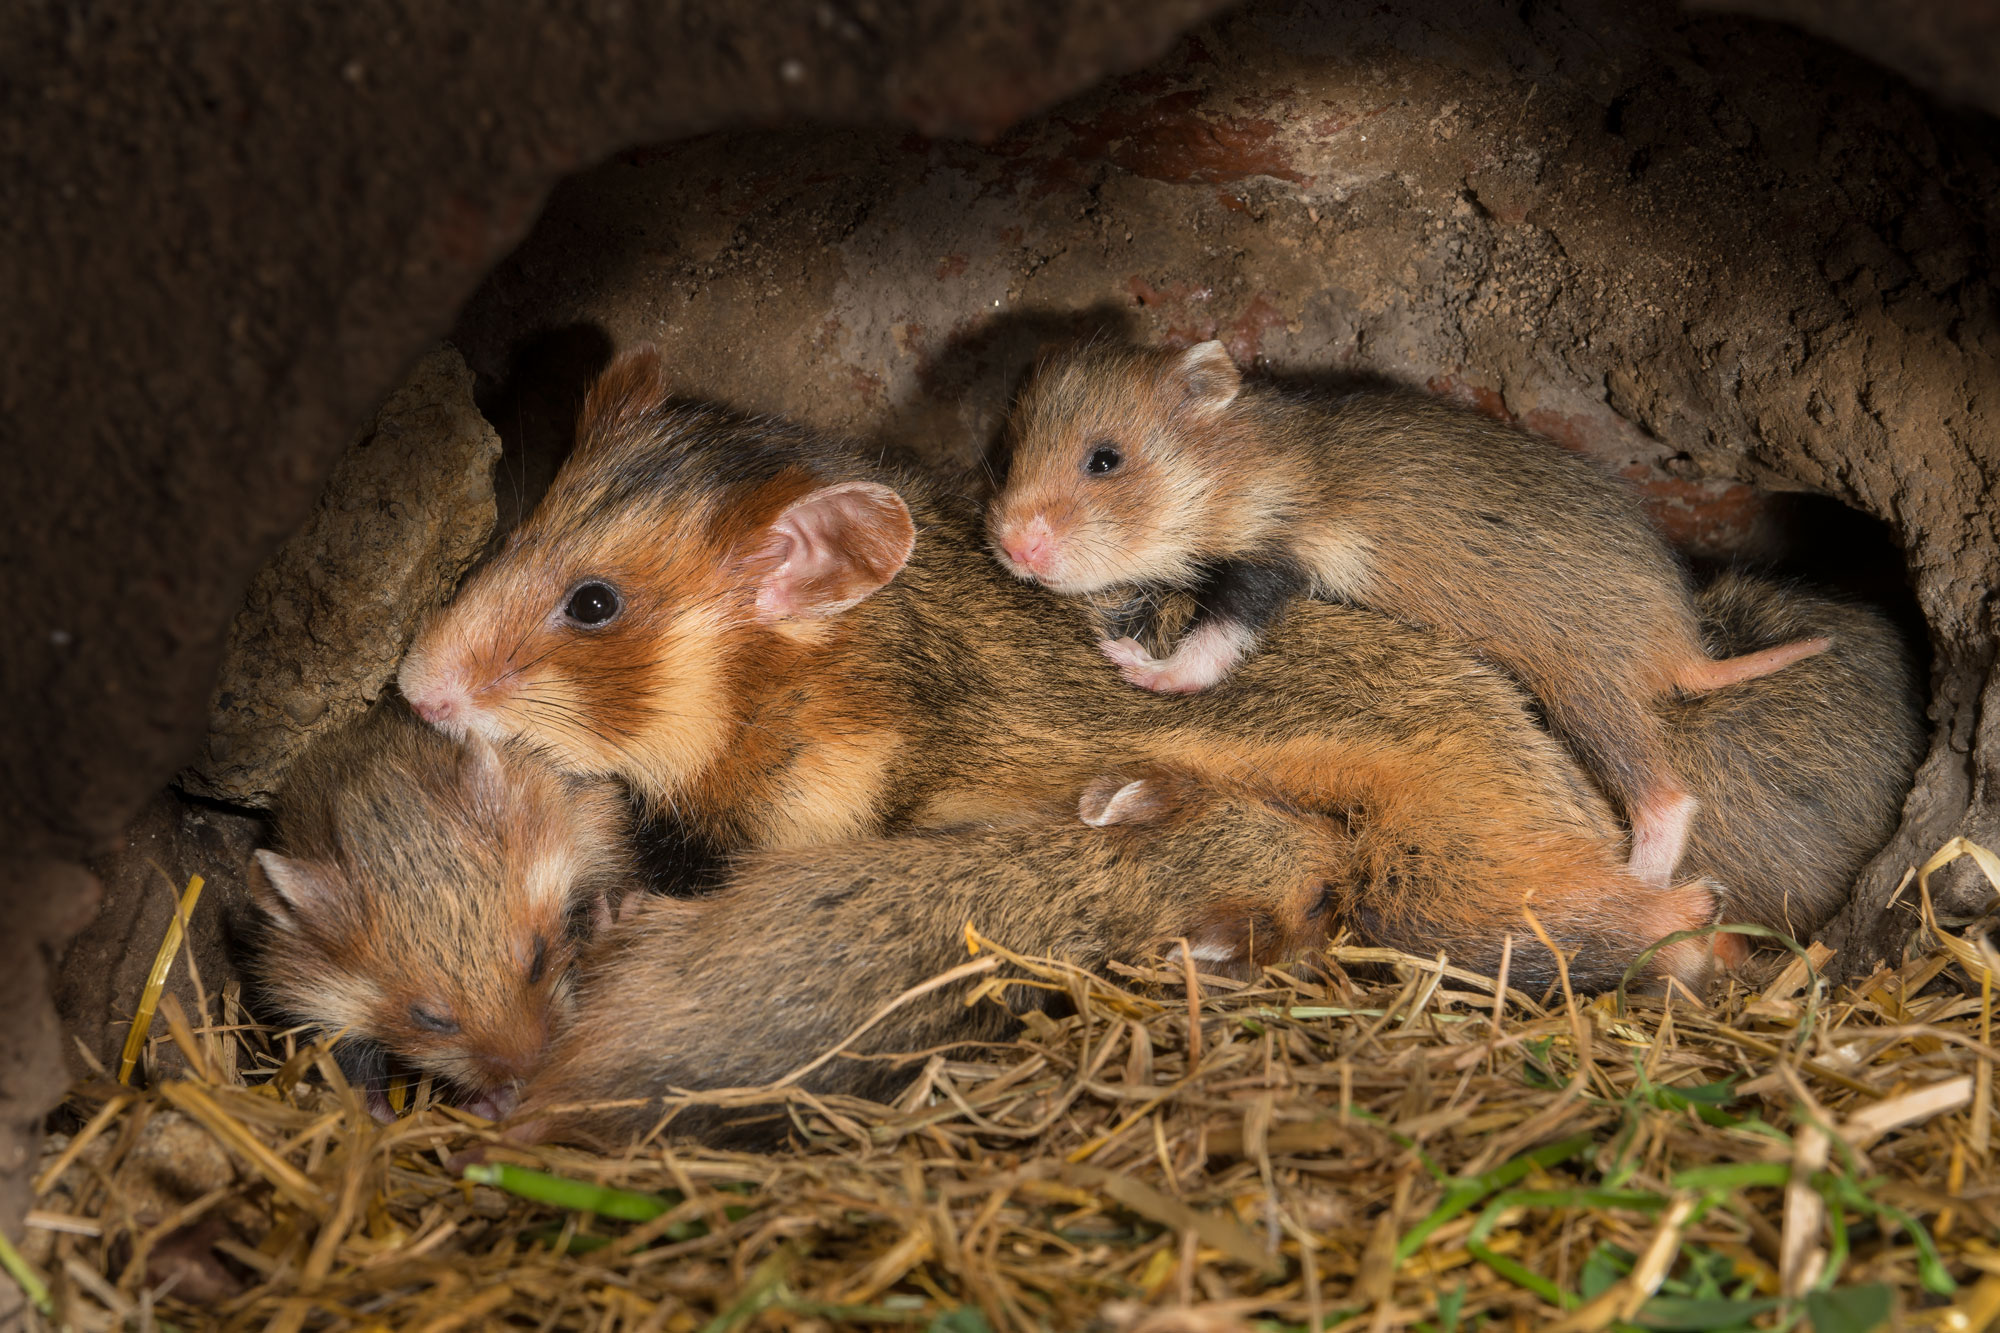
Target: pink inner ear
[(832, 550), (1212, 378), (302, 890)]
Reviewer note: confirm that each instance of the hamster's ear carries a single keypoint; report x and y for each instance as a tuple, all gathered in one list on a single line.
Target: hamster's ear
[(294, 891), (1117, 800), (1211, 377), (633, 384), (483, 776), (830, 551)]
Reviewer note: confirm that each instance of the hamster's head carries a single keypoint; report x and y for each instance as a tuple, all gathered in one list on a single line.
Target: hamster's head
[(431, 900), (1262, 875), (1113, 466), (680, 552)]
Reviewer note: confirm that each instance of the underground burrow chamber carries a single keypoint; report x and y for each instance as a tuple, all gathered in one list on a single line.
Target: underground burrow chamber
[(1739, 266)]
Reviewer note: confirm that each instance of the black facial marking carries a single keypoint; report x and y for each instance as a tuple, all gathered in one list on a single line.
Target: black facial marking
[(431, 1021), (592, 604), (1104, 458), (539, 966)]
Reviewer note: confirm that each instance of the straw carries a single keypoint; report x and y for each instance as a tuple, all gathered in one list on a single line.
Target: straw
[(1401, 1146), (156, 979)]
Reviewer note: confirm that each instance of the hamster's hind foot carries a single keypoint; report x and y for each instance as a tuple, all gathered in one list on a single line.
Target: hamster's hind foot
[(1659, 835)]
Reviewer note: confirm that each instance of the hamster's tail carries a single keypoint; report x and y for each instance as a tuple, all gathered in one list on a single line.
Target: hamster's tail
[(1705, 674)]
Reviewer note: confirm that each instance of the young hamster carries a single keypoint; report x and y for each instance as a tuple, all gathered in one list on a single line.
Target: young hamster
[(799, 948), (744, 623), (1801, 775), (427, 898), (1135, 466)]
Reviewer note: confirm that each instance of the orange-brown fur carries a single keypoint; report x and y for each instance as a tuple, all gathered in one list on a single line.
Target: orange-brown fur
[(743, 986), (956, 694), (420, 882), (1434, 514)]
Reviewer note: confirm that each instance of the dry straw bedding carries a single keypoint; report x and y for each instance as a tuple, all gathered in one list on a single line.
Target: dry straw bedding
[(1377, 1143)]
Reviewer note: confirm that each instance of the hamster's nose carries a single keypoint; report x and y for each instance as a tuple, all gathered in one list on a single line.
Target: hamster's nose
[(1033, 547), (436, 709), (496, 1103)]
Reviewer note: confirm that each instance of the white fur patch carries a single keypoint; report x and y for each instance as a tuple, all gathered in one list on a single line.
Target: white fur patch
[(1342, 564)]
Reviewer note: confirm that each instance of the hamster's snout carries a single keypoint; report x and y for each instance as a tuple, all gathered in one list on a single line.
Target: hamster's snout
[(434, 695), (1031, 547), (436, 709), (497, 1103)]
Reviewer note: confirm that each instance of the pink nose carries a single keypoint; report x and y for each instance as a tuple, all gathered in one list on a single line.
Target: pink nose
[(436, 709), (1033, 548)]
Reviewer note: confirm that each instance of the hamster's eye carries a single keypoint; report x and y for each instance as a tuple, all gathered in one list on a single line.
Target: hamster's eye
[(1104, 458), (539, 965), (592, 604), (432, 1021), (1322, 902)]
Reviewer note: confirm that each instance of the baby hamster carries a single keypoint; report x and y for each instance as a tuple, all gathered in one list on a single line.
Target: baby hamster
[(1802, 774), (1133, 466), (799, 948), (780, 644), (426, 898)]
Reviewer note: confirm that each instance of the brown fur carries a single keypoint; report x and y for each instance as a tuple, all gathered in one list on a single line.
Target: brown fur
[(1801, 775), (1436, 515), (799, 948), (417, 875), (958, 695)]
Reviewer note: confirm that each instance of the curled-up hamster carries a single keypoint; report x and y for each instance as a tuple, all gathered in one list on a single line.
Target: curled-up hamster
[(426, 899), (741, 987), (1136, 466), (1802, 774)]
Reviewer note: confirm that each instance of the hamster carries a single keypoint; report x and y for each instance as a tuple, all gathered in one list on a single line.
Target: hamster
[(1801, 775), (426, 899), (779, 643), (800, 948), (1134, 466)]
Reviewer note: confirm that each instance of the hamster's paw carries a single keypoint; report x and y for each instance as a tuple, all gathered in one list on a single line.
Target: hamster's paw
[(1141, 668), (1127, 652), (1660, 830), (1204, 657)]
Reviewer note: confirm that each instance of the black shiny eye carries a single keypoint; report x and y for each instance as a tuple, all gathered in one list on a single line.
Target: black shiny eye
[(1104, 458), (592, 604), (540, 964), (431, 1021)]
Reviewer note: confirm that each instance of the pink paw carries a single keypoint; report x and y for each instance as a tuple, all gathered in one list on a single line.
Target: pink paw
[(1161, 675), (1205, 656)]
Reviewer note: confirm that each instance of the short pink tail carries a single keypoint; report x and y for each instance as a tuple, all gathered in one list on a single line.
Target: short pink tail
[(1705, 675)]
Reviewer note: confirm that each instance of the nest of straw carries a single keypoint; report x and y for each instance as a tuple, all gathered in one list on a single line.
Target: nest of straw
[(1383, 1142)]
